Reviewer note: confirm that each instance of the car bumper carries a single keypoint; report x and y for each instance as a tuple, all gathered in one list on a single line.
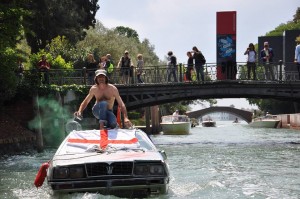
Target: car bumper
[(151, 186)]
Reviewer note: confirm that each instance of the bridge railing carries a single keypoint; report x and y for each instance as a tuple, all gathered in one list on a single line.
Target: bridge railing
[(283, 72)]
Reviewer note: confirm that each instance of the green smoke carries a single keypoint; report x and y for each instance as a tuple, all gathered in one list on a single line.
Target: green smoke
[(51, 117)]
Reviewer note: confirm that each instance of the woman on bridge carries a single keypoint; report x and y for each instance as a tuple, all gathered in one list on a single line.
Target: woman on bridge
[(251, 60)]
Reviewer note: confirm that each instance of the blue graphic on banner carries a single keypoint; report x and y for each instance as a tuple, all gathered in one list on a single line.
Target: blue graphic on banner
[(226, 46)]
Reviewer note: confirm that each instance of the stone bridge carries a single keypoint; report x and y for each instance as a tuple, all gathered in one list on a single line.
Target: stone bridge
[(245, 115)]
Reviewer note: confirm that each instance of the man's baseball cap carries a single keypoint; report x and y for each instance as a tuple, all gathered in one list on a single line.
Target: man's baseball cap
[(100, 72)]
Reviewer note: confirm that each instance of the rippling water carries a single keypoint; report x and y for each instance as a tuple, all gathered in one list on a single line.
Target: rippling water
[(229, 161)]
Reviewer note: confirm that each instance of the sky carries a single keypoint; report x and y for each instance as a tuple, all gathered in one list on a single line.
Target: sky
[(178, 25)]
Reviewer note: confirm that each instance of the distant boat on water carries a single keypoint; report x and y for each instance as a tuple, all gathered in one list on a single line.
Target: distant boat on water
[(175, 125), (208, 123), (236, 120), (268, 121)]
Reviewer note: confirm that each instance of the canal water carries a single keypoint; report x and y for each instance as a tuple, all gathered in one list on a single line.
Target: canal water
[(228, 161)]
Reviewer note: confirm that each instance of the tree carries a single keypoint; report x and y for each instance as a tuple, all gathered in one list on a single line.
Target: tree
[(297, 16), (290, 25), (101, 41), (127, 32), (11, 13), (52, 18)]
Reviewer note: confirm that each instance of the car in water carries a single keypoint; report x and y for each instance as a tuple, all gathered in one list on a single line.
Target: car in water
[(121, 162)]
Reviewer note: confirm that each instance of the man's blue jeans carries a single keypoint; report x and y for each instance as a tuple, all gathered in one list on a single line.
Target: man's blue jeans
[(200, 69), (105, 115)]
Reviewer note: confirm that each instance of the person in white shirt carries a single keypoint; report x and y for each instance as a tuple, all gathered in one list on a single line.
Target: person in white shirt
[(297, 55), (251, 61), (176, 113), (175, 116)]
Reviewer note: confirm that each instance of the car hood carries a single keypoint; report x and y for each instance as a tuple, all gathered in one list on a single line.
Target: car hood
[(96, 157)]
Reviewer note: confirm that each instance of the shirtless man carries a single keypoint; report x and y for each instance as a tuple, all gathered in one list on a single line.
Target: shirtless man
[(105, 95)]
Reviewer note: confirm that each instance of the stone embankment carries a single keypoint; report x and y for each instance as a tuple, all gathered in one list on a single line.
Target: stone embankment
[(14, 138), (289, 121)]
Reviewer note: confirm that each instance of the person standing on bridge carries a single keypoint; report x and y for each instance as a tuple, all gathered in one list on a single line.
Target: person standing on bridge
[(124, 65), (297, 55), (139, 68), (105, 94), (190, 66), (199, 63), (44, 67), (91, 67), (266, 56), (172, 67), (251, 61), (109, 67)]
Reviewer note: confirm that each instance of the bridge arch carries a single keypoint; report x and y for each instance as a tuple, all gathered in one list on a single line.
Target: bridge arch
[(245, 115), (145, 95)]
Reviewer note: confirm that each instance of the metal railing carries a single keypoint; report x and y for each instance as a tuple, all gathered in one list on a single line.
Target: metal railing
[(160, 74)]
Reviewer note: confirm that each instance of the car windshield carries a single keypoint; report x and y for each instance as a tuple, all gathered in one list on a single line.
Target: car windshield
[(144, 141)]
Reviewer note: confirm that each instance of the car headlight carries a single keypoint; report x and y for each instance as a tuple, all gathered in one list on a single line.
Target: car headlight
[(156, 170), (76, 172), (61, 172), (141, 170), (149, 169)]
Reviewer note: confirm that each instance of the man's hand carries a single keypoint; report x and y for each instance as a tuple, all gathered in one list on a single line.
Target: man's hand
[(127, 123), (78, 115)]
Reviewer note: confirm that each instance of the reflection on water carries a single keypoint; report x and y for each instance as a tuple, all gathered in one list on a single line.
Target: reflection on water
[(228, 161)]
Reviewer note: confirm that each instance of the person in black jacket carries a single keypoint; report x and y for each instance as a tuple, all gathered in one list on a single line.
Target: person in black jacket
[(266, 56), (124, 65), (172, 66), (91, 67), (199, 62)]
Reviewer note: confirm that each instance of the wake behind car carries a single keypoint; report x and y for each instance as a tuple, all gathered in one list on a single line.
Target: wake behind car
[(121, 162)]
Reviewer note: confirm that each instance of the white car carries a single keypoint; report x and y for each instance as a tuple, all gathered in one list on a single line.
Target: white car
[(116, 161)]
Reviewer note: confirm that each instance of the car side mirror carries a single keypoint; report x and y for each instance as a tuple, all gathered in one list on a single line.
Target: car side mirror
[(163, 153)]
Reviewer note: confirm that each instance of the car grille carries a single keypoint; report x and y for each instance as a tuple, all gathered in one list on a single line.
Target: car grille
[(104, 169)]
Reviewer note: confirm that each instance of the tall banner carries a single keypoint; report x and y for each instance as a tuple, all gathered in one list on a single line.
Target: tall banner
[(226, 45)]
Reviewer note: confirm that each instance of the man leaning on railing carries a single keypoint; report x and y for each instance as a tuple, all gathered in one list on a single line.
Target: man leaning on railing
[(44, 67)]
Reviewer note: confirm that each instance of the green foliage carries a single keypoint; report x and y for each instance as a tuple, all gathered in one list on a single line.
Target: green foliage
[(60, 63), (11, 14), (169, 108), (126, 32), (275, 106), (290, 25), (55, 63), (60, 46), (297, 16), (134, 115), (51, 18), (138, 122), (8, 80), (278, 31), (101, 41)]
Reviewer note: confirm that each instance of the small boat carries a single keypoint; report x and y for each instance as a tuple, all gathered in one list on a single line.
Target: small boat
[(236, 121), (175, 125), (209, 123), (121, 162), (268, 121)]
